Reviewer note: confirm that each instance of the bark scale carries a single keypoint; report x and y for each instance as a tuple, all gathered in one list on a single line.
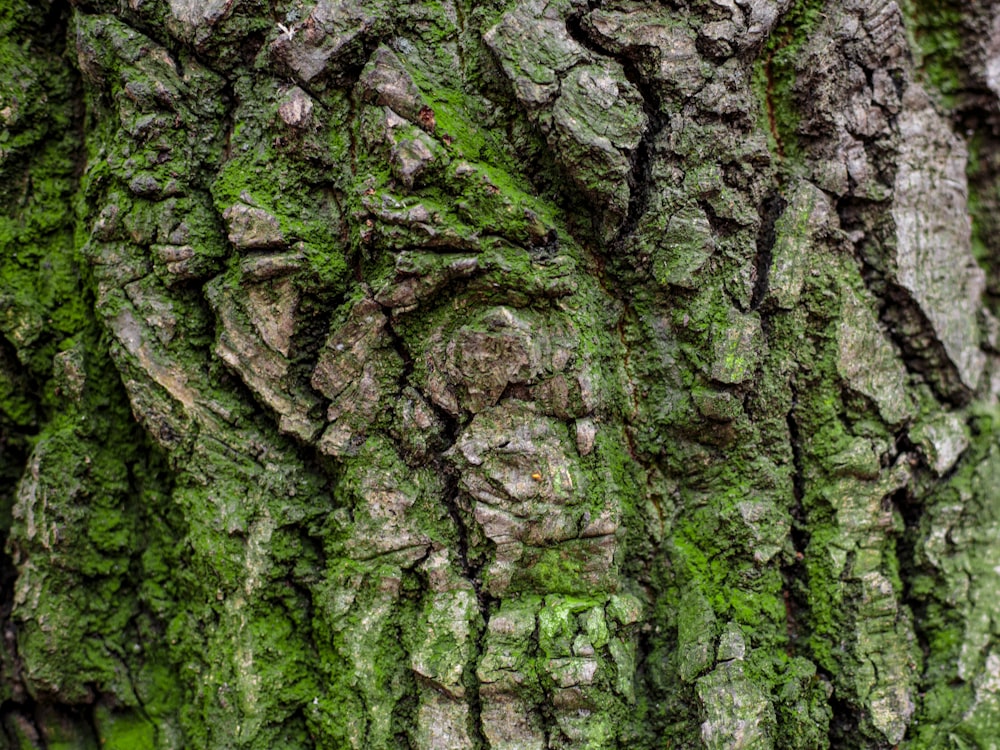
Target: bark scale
[(522, 375)]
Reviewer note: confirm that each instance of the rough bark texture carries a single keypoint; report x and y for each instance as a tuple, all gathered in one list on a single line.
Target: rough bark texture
[(515, 375)]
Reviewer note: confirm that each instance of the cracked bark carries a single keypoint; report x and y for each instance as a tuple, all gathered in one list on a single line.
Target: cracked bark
[(523, 375)]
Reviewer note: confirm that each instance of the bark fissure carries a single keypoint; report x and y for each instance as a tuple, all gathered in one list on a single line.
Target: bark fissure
[(910, 329), (460, 515), (639, 178), (796, 577), (771, 209)]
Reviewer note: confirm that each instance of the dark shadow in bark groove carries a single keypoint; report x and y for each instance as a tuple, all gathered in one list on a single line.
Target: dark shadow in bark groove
[(771, 208), (844, 732), (794, 573), (901, 316), (640, 175), (460, 514)]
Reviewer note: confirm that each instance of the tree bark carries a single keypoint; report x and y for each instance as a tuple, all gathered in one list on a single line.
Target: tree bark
[(513, 375)]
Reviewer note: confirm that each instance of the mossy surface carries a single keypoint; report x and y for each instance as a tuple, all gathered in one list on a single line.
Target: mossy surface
[(519, 375), (937, 29), (775, 76)]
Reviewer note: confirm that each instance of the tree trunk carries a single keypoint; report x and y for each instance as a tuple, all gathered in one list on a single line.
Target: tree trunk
[(513, 375)]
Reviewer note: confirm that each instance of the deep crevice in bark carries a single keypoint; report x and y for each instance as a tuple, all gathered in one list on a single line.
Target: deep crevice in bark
[(641, 160), (472, 571), (902, 317), (794, 572), (771, 209), (461, 518), (845, 725), (15, 441)]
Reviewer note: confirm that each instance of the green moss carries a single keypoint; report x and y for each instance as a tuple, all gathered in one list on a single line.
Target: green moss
[(71, 413), (268, 171), (774, 76), (464, 122), (935, 29), (955, 712), (251, 603), (123, 730), (557, 571)]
